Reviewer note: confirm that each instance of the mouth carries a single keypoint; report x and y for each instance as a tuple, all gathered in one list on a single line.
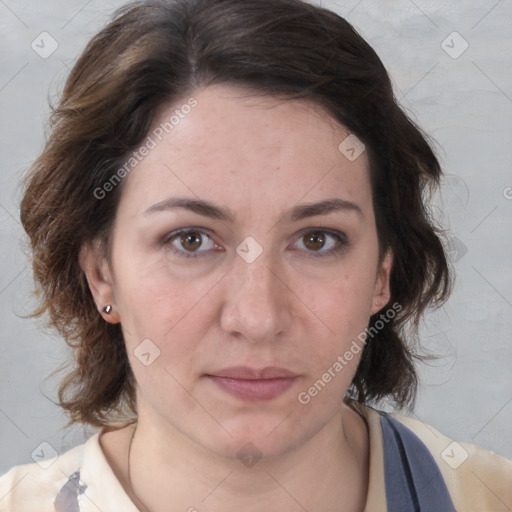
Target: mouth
[(251, 384)]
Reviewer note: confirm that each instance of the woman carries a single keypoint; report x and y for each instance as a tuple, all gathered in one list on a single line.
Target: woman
[(228, 226)]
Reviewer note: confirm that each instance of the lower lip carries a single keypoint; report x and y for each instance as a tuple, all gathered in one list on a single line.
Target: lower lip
[(253, 390)]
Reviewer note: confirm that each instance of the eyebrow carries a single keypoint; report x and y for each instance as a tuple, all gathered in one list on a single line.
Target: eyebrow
[(297, 213)]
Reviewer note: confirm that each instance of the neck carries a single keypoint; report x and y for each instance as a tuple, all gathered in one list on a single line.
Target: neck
[(329, 469)]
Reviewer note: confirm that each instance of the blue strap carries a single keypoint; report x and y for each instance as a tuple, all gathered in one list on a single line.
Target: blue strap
[(412, 477)]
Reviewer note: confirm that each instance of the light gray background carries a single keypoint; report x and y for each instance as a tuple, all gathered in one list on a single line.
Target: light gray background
[(465, 103)]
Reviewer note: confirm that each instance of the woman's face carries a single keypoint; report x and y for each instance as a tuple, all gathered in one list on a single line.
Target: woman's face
[(259, 279)]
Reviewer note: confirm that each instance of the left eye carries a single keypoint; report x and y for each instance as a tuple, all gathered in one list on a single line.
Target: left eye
[(317, 243), (314, 241)]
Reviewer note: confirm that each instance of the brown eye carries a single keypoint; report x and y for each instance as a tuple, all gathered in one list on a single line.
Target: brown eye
[(323, 243), (191, 241), (314, 241)]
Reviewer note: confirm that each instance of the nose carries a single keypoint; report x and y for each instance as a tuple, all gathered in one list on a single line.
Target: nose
[(258, 303)]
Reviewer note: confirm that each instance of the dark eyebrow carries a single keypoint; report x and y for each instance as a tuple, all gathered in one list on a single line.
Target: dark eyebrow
[(209, 209), (322, 208)]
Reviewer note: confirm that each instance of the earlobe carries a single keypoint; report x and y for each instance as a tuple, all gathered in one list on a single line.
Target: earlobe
[(382, 292), (99, 277)]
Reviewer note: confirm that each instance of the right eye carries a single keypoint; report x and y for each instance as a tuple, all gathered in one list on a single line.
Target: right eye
[(190, 240)]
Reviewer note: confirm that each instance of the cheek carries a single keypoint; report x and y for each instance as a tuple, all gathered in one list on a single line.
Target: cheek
[(155, 302), (344, 301), (342, 308), (166, 318)]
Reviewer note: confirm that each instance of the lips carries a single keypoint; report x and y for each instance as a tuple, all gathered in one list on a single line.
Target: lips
[(254, 384), (246, 373)]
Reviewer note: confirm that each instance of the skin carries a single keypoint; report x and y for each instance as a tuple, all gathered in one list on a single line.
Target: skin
[(259, 157)]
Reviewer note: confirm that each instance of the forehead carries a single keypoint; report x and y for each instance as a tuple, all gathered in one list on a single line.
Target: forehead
[(237, 147)]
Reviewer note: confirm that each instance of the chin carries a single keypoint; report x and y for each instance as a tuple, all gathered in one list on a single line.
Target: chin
[(255, 438)]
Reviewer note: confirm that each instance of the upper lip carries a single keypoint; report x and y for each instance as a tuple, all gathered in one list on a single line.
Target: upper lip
[(247, 373)]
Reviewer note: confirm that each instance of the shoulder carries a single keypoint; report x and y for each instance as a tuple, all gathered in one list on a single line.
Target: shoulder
[(477, 479), (29, 487)]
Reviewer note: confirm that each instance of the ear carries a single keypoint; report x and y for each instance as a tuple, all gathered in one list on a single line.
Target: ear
[(382, 291), (99, 276)]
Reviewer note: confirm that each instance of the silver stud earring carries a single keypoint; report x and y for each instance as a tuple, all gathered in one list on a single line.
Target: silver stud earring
[(107, 309)]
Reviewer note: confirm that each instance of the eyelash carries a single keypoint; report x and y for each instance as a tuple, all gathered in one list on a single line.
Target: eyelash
[(342, 243)]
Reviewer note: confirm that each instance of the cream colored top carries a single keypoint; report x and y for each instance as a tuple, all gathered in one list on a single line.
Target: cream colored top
[(480, 482)]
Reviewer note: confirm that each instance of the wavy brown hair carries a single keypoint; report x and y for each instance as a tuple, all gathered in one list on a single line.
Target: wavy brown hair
[(159, 51)]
